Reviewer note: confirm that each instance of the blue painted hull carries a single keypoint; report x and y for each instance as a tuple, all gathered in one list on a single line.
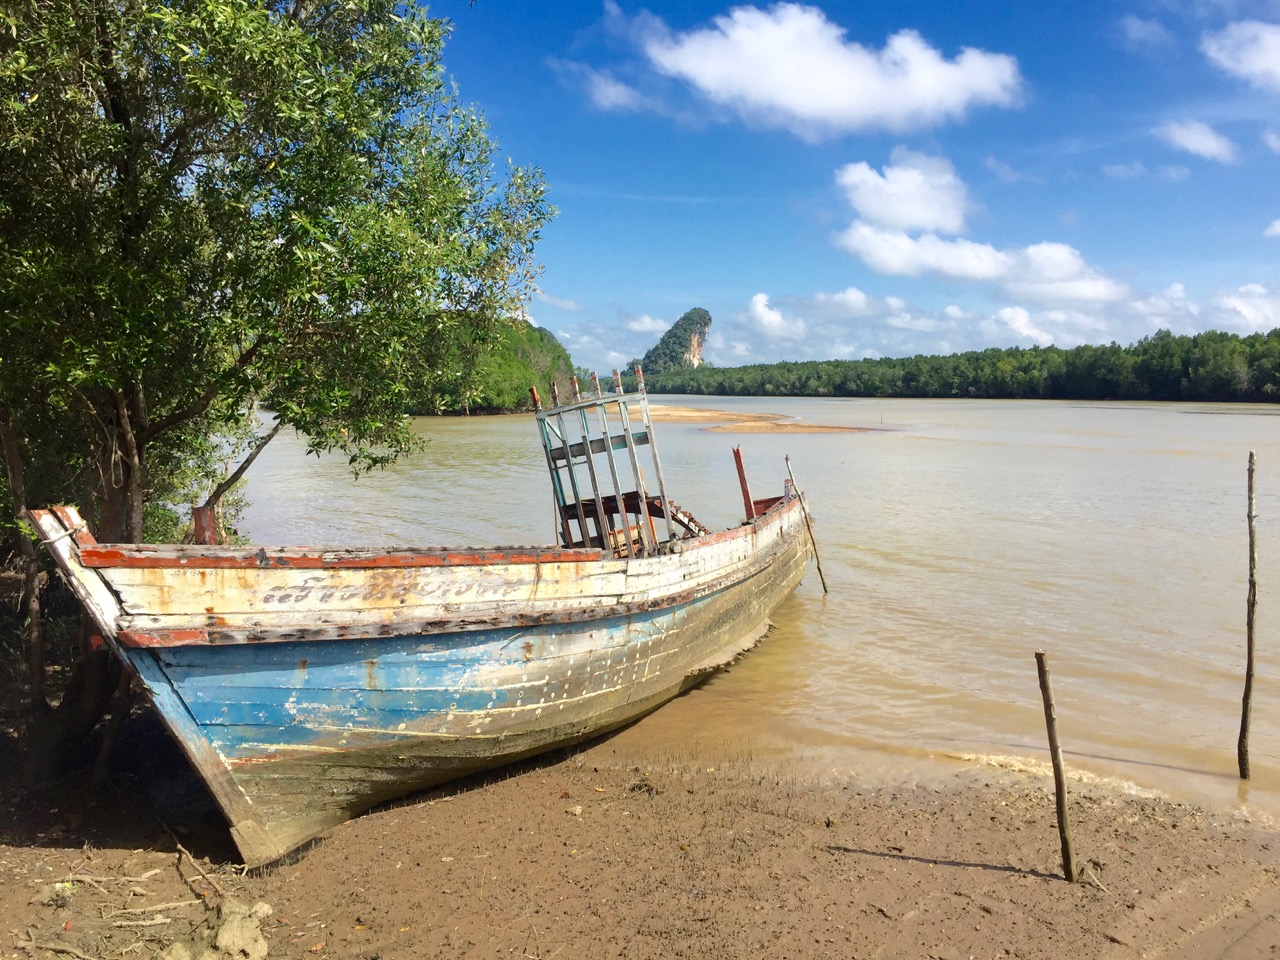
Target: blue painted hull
[(313, 733)]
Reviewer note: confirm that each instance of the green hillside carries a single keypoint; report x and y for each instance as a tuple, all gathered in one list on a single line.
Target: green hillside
[(527, 356), (680, 348)]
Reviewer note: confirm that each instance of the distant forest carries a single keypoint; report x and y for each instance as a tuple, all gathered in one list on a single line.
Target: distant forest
[(1209, 366)]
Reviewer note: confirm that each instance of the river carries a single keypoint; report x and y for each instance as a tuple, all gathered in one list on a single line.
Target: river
[(957, 538)]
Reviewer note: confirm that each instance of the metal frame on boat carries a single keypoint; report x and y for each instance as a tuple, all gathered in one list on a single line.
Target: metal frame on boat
[(307, 685)]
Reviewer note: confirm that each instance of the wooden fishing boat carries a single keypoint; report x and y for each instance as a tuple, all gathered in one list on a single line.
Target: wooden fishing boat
[(307, 685)]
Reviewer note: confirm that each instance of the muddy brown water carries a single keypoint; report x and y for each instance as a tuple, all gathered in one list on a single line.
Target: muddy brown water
[(957, 538)]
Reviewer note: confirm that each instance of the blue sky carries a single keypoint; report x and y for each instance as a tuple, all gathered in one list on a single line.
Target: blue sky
[(851, 180)]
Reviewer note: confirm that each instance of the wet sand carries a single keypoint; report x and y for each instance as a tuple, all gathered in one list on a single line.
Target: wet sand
[(590, 854), (724, 421)]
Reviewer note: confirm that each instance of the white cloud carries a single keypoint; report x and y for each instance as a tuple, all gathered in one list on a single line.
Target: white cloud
[(1125, 171), (1273, 230), (1006, 173), (791, 67), (1137, 170), (1250, 309), (560, 303), (915, 322), (1161, 307), (1018, 319), (1248, 49), (1198, 138), (1044, 272), (1272, 139), (892, 326), (896, 229), (1056, 272), (1145, 35), (897, 253), (770, 322), (1064, 328), (604, 90), (849, 302), (647, 324), (916, 192)]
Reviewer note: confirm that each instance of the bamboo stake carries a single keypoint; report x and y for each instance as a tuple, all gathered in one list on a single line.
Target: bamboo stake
[(1251, 603), (1059, 775), (804, 510)]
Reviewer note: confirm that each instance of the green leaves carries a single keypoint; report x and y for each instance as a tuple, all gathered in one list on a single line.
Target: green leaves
[(212, 203)]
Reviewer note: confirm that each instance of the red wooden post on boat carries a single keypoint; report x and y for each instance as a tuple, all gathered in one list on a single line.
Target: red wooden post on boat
[(204, 525), (747, 504)]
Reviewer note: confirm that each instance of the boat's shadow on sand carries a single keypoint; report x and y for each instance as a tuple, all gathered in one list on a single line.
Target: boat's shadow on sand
[(153, 799)]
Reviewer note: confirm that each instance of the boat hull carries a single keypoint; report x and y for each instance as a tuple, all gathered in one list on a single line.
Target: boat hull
[(299, 721)]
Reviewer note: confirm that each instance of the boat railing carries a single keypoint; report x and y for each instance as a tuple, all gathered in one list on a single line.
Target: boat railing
[(592, 446)]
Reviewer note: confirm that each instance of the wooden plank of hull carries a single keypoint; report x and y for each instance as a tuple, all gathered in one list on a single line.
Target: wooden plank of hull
[(236, 605), (281, 591), (297, 735), (315, 733), (177, 556)]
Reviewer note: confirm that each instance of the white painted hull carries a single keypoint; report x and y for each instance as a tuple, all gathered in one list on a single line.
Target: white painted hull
[(308, 685)]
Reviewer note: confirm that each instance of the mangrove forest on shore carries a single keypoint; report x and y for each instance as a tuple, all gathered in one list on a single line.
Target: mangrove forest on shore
[(1207, 367)]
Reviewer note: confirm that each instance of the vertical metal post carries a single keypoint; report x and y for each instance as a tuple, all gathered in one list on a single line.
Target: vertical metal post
[(578, 506), (647, 532), (653, 447), (602, 516), (557, 490), (613, 464)]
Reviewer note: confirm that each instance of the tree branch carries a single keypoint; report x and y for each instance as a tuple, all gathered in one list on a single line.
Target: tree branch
[(220, 490), (178, 144), (202, 404)]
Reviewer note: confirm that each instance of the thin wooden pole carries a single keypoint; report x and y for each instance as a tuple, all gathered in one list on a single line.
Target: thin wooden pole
[(1251, 603), (804, 511), (1059, 775)]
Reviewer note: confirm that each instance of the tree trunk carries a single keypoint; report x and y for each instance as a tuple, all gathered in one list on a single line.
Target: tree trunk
[(53, 741), (59, 733), (39, 704), (133, 454), (89, 492), (111, 506)]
